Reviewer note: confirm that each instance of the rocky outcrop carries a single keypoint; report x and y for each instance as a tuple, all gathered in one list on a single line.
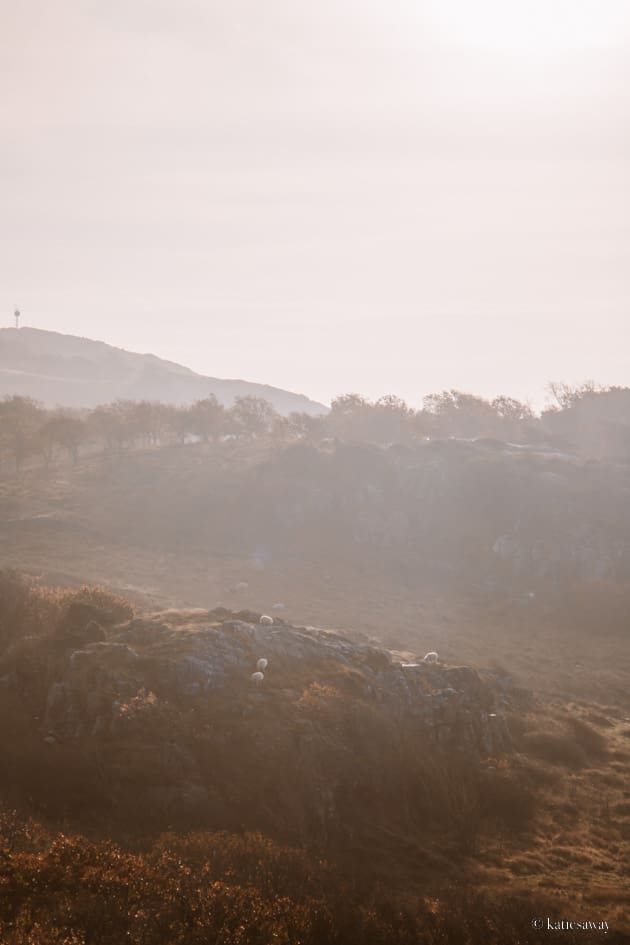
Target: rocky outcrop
[(209, 654), (160, 722)]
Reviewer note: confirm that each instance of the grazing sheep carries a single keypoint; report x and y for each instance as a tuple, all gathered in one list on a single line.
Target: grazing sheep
[(257, 678), (431, 657), (262, 664), (266, 620)]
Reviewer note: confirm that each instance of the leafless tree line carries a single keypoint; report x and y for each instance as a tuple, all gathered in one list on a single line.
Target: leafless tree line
[(591, 419)]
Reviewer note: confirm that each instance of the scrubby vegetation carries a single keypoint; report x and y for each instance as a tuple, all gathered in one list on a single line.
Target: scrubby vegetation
[(591, 421), (25, 609), (59, 889), (31, 611)]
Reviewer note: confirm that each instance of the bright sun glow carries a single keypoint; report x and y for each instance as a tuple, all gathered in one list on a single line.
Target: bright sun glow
[(530, 26)]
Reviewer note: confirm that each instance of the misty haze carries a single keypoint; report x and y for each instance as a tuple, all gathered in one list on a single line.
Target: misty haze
[(314, 473)]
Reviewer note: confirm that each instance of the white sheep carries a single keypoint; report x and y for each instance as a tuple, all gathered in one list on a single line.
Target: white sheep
[(262, 664), (257, 678), (431, 657), (266, 620)]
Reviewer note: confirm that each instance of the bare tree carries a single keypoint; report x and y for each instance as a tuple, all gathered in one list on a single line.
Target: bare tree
[(64, 431), (206, 418), (20, 419), (253, 415)]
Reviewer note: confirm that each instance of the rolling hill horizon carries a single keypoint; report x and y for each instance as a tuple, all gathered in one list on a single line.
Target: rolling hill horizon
[(71, 371)]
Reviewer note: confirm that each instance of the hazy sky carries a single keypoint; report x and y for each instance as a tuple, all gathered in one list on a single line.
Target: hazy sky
[(327, 195)]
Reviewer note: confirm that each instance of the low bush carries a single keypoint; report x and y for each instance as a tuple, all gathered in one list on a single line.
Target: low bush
[(507, 799), (554, 748), (215, 888), (593, 742), (113, 608), (25, 609)]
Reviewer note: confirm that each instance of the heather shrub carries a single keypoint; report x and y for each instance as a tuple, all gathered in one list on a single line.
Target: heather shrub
[(113, 608), (202, 889), (592, 741), (25, 609), (558, 749), (505, 798)]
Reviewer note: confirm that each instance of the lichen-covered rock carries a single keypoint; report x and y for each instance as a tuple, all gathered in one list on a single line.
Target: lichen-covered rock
[(168, 706), (185, 661)]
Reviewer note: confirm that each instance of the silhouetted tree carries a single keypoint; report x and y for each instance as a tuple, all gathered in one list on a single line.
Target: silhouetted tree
[(20, 419), (64, 431), (253, 415), (594, 421), (145, 421), (510, 409), (110, 422), (455, 413), (564, 395), (206, 418), (386, 420), (304, 426)]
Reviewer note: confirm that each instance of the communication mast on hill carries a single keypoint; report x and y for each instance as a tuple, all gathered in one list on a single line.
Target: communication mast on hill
[(16, 315)]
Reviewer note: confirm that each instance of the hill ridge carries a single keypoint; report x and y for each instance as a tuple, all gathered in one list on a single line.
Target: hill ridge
[(74, 371)]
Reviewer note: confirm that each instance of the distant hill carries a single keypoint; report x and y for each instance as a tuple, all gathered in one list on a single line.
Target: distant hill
[(65, 370)]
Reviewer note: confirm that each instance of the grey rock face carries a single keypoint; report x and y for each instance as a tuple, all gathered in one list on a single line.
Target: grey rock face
[(185, 663), (167, 707)]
